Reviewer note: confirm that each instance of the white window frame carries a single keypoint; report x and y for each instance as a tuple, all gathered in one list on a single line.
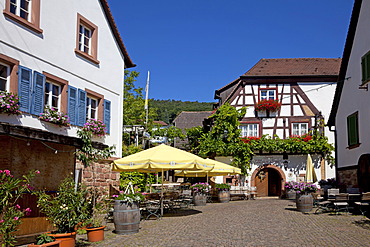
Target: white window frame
[(83, 37), (268, 97), (50, 95), (17, 5), (248, 130), (89, 108), (7, 76), (300, 131)]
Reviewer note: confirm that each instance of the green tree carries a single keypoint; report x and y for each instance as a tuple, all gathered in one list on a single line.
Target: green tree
[(224, 137), (171, 133)]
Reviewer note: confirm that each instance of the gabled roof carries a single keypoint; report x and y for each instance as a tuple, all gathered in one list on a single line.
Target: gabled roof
[(295, 67), (189, 119), (117, 36), (346, 55)]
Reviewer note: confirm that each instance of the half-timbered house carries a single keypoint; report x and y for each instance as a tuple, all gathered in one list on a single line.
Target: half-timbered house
[(350, 115), (69, 56), (303, 88)]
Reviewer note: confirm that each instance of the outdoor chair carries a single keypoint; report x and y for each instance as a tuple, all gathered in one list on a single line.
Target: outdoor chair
[(253, 192), (341, 202), (153, 208), (364, 204), (332, 193)]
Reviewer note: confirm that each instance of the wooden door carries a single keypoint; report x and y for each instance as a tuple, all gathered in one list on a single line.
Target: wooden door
[(363, 173), (262, 182)]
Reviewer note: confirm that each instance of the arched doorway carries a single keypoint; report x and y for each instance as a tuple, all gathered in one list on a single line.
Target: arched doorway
[(269, 180), (363, 172)]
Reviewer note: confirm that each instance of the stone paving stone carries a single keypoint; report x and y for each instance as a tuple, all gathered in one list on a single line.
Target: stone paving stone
[(269, 222)]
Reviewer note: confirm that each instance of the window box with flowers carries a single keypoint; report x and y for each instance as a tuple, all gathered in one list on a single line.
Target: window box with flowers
[(95, 126), (267, 108), (9, 103), (51, 115)]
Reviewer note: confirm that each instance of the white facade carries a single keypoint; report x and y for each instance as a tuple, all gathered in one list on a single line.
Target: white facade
[(53, 51), (354, 99)]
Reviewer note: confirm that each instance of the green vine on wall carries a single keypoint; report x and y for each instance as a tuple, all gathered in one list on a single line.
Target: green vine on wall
[(88, 154)]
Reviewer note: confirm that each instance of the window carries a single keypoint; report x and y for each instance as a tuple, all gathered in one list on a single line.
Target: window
[(266, 94), (21, 8), (249, 130), (91, 108), (299, 129), (4, 73), (52, 95), (87, 39), (352, 130), (24, 12)]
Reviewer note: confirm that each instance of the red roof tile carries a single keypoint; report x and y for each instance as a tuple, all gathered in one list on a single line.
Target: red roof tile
[(295, 67)]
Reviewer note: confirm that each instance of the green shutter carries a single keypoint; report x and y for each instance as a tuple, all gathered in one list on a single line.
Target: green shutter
[(363, 66), (352, 130)]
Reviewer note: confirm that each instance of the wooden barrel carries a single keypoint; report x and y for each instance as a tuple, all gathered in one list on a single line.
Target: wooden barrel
[(291, 195), (223, 196), (304, 203), (126, 217), (200, 199)]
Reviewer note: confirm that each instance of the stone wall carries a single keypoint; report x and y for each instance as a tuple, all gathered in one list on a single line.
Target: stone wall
[(100, 176), (348, 177)]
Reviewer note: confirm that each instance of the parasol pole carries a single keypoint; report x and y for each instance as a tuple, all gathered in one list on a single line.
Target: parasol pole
[(161, 201)]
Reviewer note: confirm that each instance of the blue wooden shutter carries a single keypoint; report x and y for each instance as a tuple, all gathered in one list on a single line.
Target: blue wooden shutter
[(24, 88), (37, 103), (81, 108), (72, 105), (107, 115)]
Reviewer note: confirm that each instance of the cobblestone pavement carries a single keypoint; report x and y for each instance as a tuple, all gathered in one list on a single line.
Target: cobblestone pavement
[(261, 222)]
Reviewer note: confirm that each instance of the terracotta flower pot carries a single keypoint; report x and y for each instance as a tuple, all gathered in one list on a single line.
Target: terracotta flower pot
[(67, 239), (95, 234), (56, 243)]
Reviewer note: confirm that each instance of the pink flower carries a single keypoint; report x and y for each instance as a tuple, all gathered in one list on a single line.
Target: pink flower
[(16, 218), (17, 206), (1, 221), (115, 196), (37, 172)]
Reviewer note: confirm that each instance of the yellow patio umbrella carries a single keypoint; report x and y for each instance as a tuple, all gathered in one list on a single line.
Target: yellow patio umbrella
[(161, 158), (219, 169), (310, 171)]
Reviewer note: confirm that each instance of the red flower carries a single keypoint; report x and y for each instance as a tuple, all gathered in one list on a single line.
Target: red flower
[(271, 105)]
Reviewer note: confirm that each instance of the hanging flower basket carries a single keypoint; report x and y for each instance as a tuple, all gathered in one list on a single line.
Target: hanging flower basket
[(9, 103), (97, 127), (51, 115)]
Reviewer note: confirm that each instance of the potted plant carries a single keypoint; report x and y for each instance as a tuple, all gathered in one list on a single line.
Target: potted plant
[(94, 225), (126, 214), (200, 191), (11, 189), (95, 126), (304, 199), (51, 115), (44, 240), (267, 108), (9, 103), (65, 210), (223, 192), (289, 189)]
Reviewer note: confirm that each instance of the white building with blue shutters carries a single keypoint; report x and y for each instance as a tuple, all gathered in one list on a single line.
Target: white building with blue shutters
[(67, 55)]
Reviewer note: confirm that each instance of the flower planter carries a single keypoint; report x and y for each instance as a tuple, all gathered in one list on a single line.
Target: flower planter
[(265, 114), (95, 234), (126, 217), (67, 239), (200, 199), (304, 203), (223, 196), (56, 243), (291, 195)]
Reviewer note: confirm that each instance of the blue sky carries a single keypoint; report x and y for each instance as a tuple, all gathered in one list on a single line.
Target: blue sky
[(194, 47)]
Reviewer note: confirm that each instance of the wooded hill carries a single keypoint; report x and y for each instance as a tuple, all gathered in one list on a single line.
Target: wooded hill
[(167, 110)]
